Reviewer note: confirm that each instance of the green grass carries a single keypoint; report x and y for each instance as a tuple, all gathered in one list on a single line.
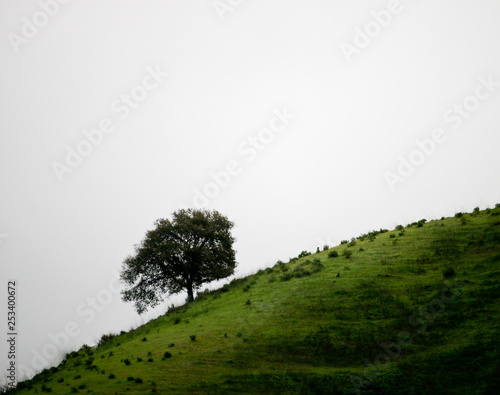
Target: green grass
[(419, 304)]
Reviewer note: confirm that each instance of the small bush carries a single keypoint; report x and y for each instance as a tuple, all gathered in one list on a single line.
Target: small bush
[(333, 254), (166, 355), (61, 380), (144, 339), (304, 253), (325, 247), (476, 211), (401, 233), (78, 376), (286, 276), (177, 320), (130, 378), (82, 386), (127, 361), (347, 254), (459, 215), (269, 270), (45, 388), (106, 339), (150, 360), (239, 334), (138, 380), (171, 345), (399, 227), (448, 272), (344, 242), (248, 302), (192, 337), (463, 221), (111, 376), (392, 235), (139, 359)]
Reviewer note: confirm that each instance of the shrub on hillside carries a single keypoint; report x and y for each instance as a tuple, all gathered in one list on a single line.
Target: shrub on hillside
[(304, 253), (333, 254), (325, 247), (347, 254), (106, 338), (459, 215), (344, 242), (448, 272)]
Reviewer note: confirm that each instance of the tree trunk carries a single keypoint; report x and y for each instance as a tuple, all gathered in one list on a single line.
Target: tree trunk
[(190, 293)]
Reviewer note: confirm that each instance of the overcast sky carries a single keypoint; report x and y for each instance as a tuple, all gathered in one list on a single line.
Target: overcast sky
[(305, 122)]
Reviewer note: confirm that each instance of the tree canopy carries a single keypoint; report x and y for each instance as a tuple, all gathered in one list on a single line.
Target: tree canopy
[(193, 248)]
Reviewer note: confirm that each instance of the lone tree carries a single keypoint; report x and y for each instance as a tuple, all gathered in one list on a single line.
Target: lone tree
[(195, 247)]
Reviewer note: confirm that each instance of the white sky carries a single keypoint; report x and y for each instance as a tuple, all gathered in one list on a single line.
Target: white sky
[(320, 180)]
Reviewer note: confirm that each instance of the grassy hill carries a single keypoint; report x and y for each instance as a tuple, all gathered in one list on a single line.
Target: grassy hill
[(413, 310)]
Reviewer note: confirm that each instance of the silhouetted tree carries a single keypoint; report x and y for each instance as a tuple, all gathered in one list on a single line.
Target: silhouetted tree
[(195, 247)]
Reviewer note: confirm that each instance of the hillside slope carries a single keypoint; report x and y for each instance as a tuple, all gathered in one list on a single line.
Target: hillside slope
[(414, 310)]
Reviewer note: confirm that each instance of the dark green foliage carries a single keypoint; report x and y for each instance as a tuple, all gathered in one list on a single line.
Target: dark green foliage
[(333, 254), (195, 247), (325, 247), (399, 227), (448, 272), (139, 359), (150, 360), (304, 254), (138, 380), (459, 215), (347, 254), (78, 376), (130, 378), (248, 302), (192, 337), (166, 355), (171, 345), (82, 386), (344, 242), (392, 235), (127, 361), (144, 339), (61, 380), (45, 388), (106, 339)]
